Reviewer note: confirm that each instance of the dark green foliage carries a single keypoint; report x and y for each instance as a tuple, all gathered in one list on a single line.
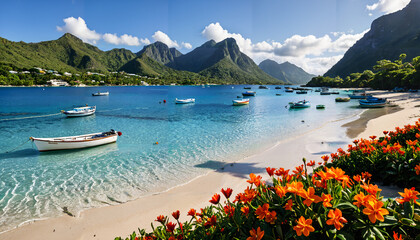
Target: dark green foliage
[(286, 72), (388, 75)]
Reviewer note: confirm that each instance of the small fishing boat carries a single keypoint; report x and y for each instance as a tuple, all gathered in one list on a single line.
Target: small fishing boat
[(300, 104), (249, 93), (317, 90), (359, 94), (184, 101), (75, 142), (301, 92), (320, 106), (289, 90), (263, 87), (240, 102), (372, 102), (247, 87), (278, 94), (325, 93), (277, 87), (344, 99), (334, 92), (100, 94), (80, 111)]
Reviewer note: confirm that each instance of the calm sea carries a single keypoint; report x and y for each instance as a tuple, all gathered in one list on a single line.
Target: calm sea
[(192, 139)]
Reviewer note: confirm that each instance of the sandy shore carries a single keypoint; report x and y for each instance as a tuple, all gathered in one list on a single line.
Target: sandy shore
[(122, 220)]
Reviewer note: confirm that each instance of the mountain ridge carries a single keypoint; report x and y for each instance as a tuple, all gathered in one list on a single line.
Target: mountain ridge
[(286, 72)]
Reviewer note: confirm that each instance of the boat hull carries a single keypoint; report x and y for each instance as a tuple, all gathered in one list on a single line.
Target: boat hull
[(79, 114), (184, 101), (240, 102), (100, 94), (53, 144), (372, 105)]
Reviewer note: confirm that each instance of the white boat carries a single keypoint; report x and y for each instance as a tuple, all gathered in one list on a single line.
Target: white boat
[(300, 104), (75, 142), (184, 101), (100, 94), (240, 102), (80, 111)]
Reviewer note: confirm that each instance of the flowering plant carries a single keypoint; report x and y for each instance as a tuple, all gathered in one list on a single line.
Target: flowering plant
[(328, 203)]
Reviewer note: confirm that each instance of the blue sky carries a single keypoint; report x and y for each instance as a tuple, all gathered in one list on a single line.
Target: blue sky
[(313, 34)]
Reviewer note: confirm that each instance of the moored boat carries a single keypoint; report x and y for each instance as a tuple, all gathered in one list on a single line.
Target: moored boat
[(100, 94), (277, 87), (344, 99), (75, 142), (239, 102), (372, 102), (80, 111), (289, 90), (184, 101), (301, 92), (320, 106), (300, 104), (263, 87), (249, 93), (247, 87)]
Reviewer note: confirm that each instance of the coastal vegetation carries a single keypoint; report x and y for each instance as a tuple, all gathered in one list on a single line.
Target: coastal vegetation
[(156, 64), (386, 74), (338, 200)]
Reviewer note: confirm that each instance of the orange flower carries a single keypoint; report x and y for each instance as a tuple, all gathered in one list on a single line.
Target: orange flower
[(408, 195), (396, 237), (336, 218), (362, 200), (375, 211), (289, 204), (310, 163), (271, 217), (215, 199), (176, 215), (357, 178), (256, 235), (281, 172), (372, 189), (210, 222), (294, 187), (227, 192), (192, 212), (262, 211), (366, 176), (385, 132), (254, 179), (270, 171), (303, 226), (310, 197), (417, 135), (417, 168), (229, 210), (326, 199), (325, 158), (160, 219), (280, 191), (245, 210), (170, 226), (298, 170)]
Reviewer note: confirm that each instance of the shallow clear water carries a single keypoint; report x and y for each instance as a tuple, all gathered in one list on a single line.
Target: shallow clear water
[(192, 139)]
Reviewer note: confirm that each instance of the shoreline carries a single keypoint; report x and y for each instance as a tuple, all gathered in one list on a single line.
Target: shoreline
[(120, 220)]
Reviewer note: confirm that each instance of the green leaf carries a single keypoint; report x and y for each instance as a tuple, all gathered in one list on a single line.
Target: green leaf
[(346, 205), (378, 233)]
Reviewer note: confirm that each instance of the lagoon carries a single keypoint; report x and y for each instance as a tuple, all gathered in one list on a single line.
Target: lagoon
[(192, 139)]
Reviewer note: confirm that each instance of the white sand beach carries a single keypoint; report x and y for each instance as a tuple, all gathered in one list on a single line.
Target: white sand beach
[(123, 219)]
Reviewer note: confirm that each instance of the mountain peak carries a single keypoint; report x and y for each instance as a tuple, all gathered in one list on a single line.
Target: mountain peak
[(160, 52), (389, 36), (287, 72)]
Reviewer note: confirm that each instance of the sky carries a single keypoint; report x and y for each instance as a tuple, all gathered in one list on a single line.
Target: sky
[(313, 34)]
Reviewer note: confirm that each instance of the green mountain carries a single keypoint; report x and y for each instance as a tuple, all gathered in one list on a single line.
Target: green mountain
[(222, 60), (389, 36), (286, 72), (160, 52), (68, 53)]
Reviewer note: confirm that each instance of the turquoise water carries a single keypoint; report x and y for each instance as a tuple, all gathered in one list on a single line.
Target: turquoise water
[(192, 139)]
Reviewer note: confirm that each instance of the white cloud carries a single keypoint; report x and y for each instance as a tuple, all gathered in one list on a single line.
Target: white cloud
[(314, 54), (186, 45), (164, 38), (78, 28), (125, 39), (388, 6)]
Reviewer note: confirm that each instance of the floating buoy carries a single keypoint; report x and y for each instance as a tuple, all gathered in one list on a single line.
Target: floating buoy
[(156, 143), (164, 101), (119, 133)]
